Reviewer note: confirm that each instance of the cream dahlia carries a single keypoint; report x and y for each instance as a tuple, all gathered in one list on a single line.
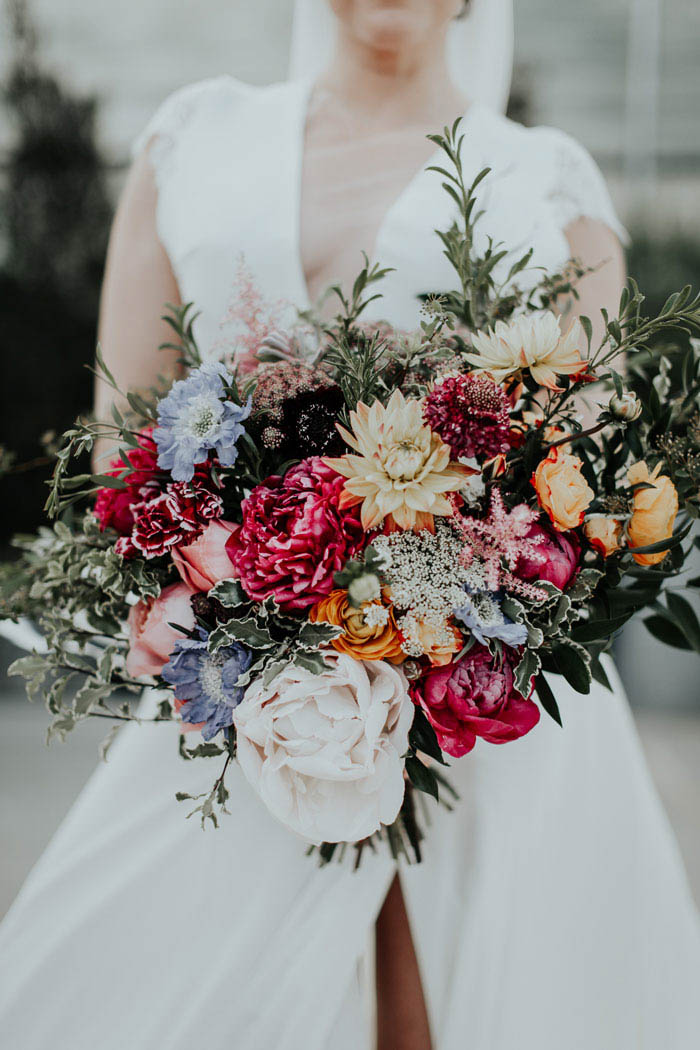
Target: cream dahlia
[(402, 470), (533, 343)]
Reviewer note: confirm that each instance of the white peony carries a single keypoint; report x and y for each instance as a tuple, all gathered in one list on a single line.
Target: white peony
[(324, 752)]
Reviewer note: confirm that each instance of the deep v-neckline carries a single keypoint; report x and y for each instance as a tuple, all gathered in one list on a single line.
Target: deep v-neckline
[(302, 108)]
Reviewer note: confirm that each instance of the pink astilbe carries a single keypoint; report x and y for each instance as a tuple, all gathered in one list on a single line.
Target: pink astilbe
[(248, 322), (498, 541)]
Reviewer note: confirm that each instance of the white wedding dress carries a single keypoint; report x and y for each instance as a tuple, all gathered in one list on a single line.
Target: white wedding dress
[(551, 911)]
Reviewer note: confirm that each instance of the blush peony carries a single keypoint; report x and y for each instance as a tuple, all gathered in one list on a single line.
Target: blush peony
[(324, 752), (204, 562), (151, 638), (559, 556), (295, 536), (475, 697)]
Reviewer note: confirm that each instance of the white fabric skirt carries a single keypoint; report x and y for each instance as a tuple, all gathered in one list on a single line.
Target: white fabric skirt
[(551, 911)]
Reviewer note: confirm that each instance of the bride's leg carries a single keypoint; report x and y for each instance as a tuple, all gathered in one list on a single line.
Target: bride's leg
[(402, 1019)]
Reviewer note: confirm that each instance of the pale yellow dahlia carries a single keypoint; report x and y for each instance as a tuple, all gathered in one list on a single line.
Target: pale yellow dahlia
[(402, 470), (533, 343)]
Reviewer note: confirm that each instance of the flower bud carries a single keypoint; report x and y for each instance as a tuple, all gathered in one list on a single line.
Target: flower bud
[(412, 669), (364, 588), (625, 406)]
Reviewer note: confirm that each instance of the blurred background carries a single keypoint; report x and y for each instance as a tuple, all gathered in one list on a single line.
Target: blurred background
[(79, 80)]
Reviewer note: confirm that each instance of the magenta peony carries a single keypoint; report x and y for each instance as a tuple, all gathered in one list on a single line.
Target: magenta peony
[(470, 413), (294, 536), (562, 556), (474, 697)]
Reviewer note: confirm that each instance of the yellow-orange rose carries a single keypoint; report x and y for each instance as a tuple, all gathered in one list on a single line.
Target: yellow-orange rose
[(653, 513), (603, 533), (369, 631), (439, 641), (562, 490)]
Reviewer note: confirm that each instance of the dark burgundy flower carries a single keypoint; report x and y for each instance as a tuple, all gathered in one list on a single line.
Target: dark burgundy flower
[(294, 410), (470, 413)]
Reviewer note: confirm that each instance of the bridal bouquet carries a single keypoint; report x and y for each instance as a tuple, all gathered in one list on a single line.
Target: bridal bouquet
[(347, 562)]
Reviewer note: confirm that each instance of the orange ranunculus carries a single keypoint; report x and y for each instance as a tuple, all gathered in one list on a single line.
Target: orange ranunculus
[(653, 512), (561, 489), (369, 630), (603, 533)]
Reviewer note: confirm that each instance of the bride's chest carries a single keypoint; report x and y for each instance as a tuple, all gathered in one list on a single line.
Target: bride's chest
[(241, 191)]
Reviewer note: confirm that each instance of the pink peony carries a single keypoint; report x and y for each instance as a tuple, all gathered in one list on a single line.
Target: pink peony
[(474, 697), (562, 556), (203, 563), (294, 536), (151, 638)]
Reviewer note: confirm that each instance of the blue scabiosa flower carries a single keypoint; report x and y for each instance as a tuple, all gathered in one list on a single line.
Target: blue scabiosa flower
[(207, 683), (195, 418), (482, 614)]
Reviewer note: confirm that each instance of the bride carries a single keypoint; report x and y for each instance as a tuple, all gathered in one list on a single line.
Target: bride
[(551, 912)]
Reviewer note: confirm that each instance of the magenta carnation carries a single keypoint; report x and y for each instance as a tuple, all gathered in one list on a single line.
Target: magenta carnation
[(178, 516), (294, 536), (562, 557), (475, 697), (470, 413)]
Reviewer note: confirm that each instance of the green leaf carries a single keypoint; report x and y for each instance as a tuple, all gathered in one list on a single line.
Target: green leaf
[(422, 778), (314, 635), (249, 632), (229, 593), (28, 666), (685, 617), (526, 670), (546, 698), (572, 661), (666, 632), (592, 630), (587, 327), (310, 661), (598, 672), (422, 737)]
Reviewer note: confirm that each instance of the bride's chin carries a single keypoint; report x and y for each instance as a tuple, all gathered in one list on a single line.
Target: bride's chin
[(389, 26)]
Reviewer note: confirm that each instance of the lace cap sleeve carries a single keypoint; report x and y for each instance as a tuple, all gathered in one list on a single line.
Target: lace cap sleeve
[(578, 189), (172, 117)]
